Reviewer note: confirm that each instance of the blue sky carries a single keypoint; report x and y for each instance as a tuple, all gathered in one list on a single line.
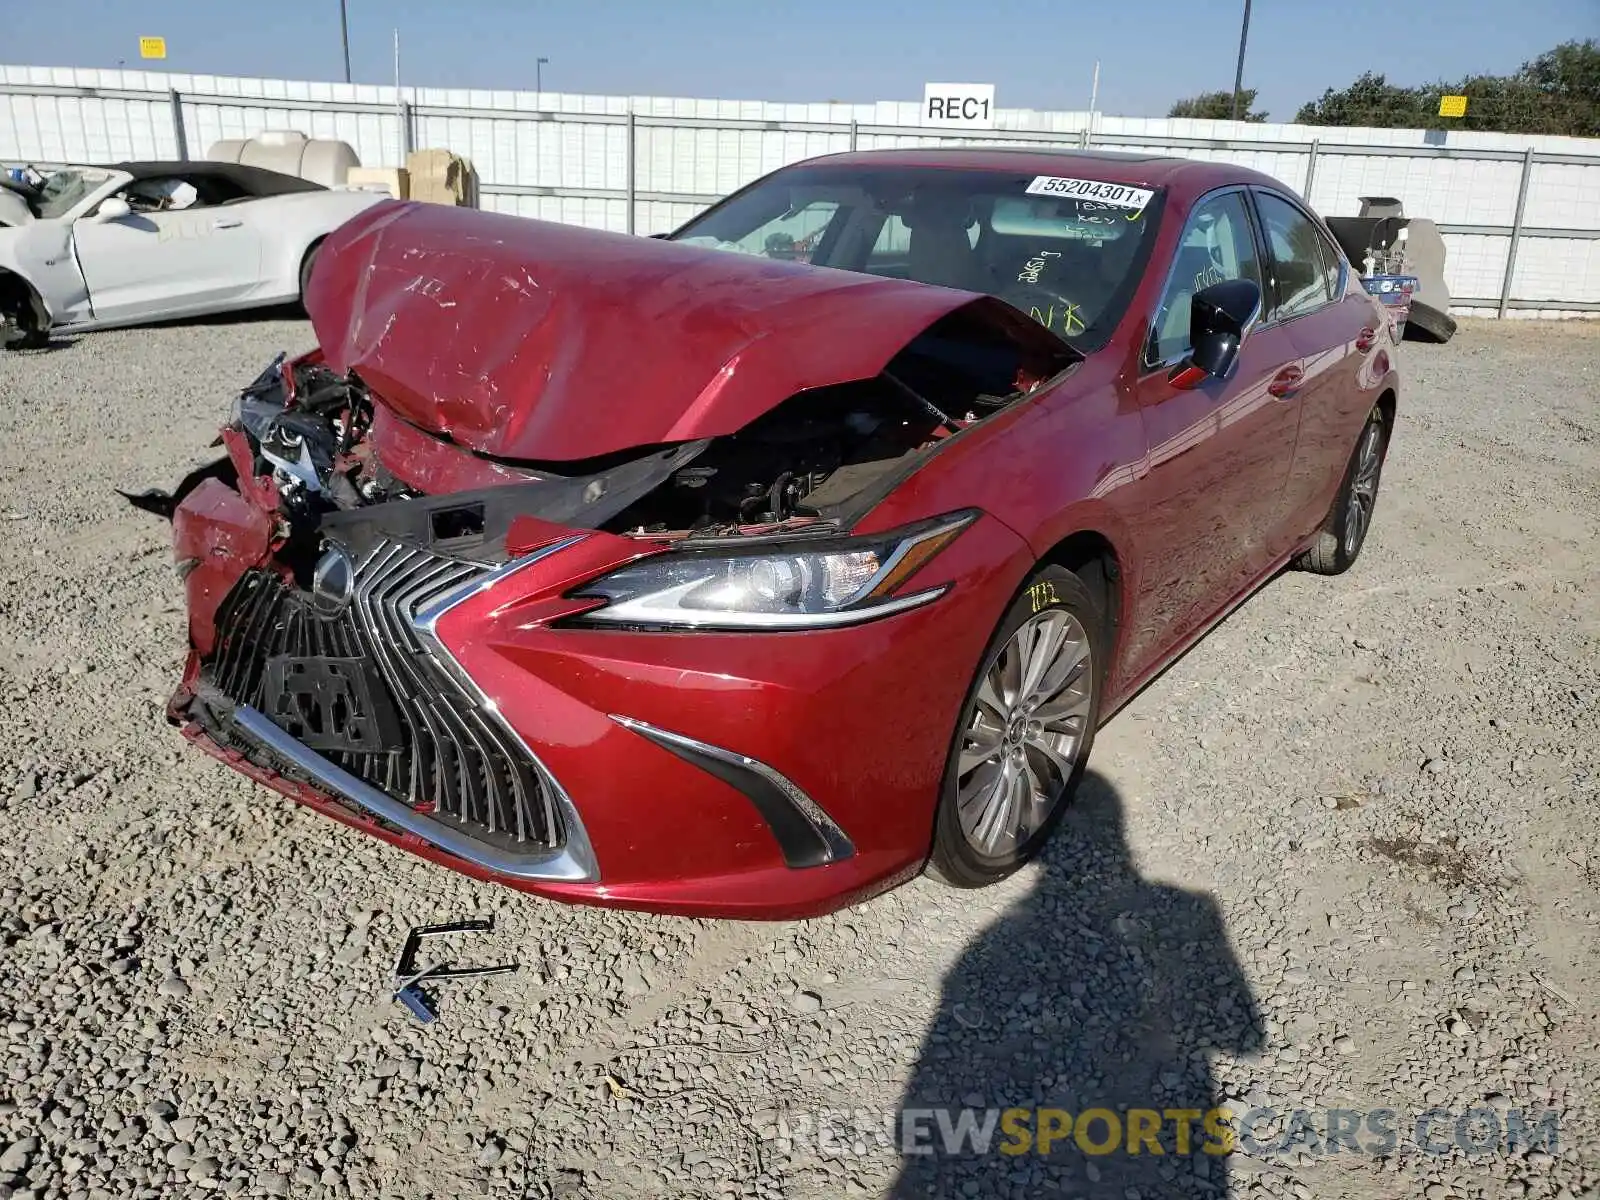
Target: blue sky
[(1039, 53)]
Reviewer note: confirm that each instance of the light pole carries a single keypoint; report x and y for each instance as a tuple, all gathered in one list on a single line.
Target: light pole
[(1238, 77), (538, 74), (344, 36)]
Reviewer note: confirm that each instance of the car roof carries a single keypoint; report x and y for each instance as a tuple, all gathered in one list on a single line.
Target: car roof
[(1147, 170), (257, 180)]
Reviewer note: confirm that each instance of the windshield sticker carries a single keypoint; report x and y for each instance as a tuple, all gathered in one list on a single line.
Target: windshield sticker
[(1117, 195)]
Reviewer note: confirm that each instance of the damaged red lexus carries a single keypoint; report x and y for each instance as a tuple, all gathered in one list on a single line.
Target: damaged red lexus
[(751, 570)]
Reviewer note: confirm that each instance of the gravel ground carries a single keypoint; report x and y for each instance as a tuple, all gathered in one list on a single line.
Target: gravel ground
[(1343, 855)]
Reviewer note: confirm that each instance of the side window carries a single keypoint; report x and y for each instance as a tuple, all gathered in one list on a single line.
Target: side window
[(1300, 276), (1217, 244), (1331, 268)]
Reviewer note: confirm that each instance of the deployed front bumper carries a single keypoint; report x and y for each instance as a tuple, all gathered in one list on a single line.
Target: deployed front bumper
[(719, 774)]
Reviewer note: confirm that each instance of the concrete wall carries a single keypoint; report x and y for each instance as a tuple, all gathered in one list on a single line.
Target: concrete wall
[(566, 157)]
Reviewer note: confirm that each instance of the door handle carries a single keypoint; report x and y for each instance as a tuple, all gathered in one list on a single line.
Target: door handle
[(1286, 382), (1366, 338), (226, 223)]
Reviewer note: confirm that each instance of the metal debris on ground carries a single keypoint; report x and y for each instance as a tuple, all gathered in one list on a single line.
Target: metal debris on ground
[(409, 978)]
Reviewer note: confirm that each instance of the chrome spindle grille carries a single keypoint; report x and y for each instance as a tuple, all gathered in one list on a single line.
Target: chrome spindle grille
[(454, 755)]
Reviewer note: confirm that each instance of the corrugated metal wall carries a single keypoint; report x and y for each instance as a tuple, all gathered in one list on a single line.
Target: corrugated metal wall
[(566, 157)]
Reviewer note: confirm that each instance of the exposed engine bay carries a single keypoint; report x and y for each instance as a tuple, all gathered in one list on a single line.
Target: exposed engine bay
[(793, 465), (323, 451)]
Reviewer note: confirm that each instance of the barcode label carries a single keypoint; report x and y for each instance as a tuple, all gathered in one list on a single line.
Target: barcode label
[(1119, 195)]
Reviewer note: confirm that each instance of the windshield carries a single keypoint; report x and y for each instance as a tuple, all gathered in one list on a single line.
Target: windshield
[(1068, 252), (63, 189)]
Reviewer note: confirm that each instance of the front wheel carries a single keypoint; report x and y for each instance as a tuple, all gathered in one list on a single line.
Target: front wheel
[(1024, 733), (20, 324), (23, 336)]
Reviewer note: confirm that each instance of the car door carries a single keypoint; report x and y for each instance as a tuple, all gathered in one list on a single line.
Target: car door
[(1219, 453), (148, 264), (1334, 326)]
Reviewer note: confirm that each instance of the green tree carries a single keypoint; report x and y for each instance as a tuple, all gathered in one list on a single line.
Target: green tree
[(1556, 93), (1371, 100), (1569, 79), (1218, 106)]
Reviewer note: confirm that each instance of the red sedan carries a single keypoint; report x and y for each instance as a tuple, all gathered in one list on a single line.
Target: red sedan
[(679, 574)]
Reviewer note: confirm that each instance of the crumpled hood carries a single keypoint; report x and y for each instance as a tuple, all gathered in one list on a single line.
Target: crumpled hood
[(530, 340)]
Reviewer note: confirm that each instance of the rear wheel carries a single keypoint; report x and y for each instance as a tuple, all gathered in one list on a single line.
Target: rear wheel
[(305, 270), (1024, 733), (1344, 531)]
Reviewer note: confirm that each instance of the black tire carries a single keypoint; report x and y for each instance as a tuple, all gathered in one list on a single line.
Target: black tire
[(1332, 553), (1427, 324), (305, 270), (26, 339), (20, 327), (954, 859)]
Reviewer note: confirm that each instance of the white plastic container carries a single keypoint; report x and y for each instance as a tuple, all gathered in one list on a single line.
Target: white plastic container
[(290, 152)]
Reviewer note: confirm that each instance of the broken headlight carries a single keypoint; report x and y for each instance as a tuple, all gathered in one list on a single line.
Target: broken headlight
[(792, 587)]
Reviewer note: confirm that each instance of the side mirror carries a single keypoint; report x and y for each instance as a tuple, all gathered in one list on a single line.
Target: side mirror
[(1220, 318), (112, 208)]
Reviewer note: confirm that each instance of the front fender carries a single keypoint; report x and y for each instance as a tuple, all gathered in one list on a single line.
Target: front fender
[(1050, 467), (40, 255)]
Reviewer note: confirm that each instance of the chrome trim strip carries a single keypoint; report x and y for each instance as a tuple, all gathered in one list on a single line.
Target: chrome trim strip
[(424, 622), (572, 863), (839, 846), (677, 618)]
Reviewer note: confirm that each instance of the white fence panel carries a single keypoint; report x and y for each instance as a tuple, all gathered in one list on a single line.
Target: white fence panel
[(57, 127), (1563, 195), (537, 155), (1554, 269), (1474, 264), (569, 210), (1450, 190)]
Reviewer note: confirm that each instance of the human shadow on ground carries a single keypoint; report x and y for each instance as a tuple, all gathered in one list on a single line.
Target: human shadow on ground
[(54, 346), (1098, 990), (287, 311)]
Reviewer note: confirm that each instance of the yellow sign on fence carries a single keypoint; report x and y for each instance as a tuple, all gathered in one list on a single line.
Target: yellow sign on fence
[(152, 47), (1452, 106)]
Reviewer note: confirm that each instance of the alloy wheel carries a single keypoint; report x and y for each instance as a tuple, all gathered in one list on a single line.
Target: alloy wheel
[(1026, 732), (1363, 488)]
